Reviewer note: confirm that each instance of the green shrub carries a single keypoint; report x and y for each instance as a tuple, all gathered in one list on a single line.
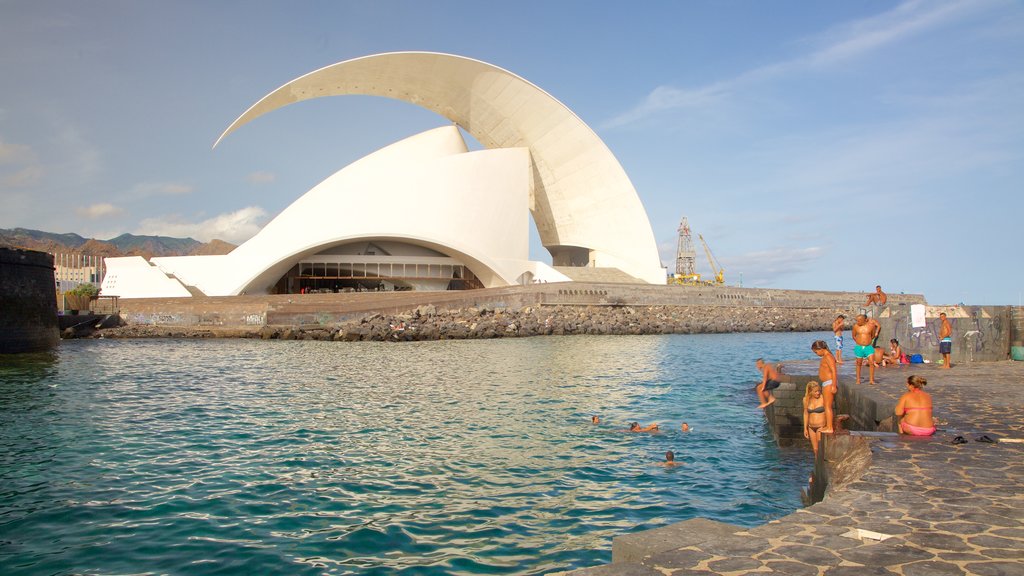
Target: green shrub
[(85, 289)]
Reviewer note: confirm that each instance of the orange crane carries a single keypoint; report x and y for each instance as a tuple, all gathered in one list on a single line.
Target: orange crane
[(718, 271)]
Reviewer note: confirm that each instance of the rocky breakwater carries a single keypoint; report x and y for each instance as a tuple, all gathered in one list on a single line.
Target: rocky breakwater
[(430, 323)]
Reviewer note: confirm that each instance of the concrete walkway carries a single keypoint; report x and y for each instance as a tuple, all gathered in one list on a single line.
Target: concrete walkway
[(920, 507)]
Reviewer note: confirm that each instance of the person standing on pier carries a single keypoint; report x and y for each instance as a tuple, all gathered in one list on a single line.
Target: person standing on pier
[(945, 339), (865, 333), (829, 379), (814, 414), (837, 328)]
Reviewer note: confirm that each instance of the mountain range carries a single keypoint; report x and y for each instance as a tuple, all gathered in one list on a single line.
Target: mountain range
[(123, 245)]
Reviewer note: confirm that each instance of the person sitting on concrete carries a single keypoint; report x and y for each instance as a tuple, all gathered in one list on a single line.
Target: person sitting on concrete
[(769, 381), (893, 356), (877, 298), (814, 414), (915, 409)]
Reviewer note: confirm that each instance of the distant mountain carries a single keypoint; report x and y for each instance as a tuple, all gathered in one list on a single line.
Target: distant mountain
[(123, 245)]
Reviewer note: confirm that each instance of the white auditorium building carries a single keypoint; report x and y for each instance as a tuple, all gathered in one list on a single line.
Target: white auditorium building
[(426, 213)]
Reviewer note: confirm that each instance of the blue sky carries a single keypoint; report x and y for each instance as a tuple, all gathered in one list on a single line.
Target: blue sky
[(815, 145)]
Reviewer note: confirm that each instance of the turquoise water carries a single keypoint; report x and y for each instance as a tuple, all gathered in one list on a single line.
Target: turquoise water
[(270, 457)]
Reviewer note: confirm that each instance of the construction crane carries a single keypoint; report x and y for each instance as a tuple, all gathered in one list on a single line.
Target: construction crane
[(717, 270), (686, 257)]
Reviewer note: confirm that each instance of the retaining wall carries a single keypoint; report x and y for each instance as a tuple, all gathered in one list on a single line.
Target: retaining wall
[(980, 333)]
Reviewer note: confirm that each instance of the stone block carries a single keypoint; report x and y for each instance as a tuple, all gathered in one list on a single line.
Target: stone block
[(638, 545)]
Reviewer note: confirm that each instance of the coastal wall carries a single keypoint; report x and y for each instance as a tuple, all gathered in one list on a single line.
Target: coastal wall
[(980, 333), (329, 310), (28, 300)]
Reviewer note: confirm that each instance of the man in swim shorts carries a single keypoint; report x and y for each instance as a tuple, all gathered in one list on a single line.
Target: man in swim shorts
[(769, 381), (865, 331), (837, 328), (945, 339)]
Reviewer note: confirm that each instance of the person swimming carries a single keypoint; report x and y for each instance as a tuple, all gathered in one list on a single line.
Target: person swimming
[(670, 460), (636, 427), (595, 420), (685, 427)]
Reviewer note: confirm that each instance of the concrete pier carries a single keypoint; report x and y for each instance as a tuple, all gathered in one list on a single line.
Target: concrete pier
[(893, 505)]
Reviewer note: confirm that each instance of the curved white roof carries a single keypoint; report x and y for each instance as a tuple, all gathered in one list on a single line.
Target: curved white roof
[(581, 195)]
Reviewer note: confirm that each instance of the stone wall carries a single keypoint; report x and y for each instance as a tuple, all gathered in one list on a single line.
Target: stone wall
[(28, 300), (980, 333)]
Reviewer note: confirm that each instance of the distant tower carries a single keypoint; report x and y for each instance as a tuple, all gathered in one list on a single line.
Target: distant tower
[(686, 258)]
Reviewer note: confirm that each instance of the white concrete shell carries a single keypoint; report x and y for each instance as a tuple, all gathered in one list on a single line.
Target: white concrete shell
[(582, 202), (426, 191)]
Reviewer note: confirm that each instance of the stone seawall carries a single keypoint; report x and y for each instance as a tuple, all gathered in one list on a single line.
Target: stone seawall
[(28, 322), (428, 323)]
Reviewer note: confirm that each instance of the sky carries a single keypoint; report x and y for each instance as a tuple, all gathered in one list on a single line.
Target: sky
[(814, 145)]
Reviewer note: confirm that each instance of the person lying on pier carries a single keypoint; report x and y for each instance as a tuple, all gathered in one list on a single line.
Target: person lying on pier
[(829, 379), (814, 414), (635, 427), (670, 460), (769, 381), (915, 409)]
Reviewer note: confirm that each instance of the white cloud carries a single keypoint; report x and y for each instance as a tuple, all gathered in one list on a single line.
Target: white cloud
[(15, 153), (767, 267), (261, 177), (835, 46), (235, 227), (145, 189), (21, 168), (96, 211)]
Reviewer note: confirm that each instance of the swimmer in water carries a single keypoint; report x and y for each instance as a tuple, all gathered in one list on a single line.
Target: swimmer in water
[(685, 427), (635, 427), (595, 420), (670, 460)]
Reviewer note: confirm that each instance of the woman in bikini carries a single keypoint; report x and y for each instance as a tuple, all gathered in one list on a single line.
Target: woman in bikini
[(829, 380), (814, 414), (915, 409), (892, 358)]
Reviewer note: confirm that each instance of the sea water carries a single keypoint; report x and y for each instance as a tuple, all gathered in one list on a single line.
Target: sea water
[(450, 457)]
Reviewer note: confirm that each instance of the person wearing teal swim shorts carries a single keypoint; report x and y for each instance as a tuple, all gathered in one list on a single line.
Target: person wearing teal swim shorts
[(865, 331)]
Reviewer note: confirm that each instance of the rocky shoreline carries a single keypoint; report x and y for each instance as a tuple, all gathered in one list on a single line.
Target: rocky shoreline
[(429, 323)]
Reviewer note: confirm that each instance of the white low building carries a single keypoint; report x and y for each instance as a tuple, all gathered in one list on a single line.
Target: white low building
[(426, 213)]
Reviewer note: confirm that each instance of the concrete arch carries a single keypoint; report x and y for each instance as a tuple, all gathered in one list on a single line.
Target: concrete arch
[(581, 197)]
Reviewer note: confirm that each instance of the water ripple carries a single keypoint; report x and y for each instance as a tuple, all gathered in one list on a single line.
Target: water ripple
[(238, 457)]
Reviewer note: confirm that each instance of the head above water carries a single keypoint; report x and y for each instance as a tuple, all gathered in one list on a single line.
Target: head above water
[(670, 456), (594, 419), (685, 427), (634, 425)]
